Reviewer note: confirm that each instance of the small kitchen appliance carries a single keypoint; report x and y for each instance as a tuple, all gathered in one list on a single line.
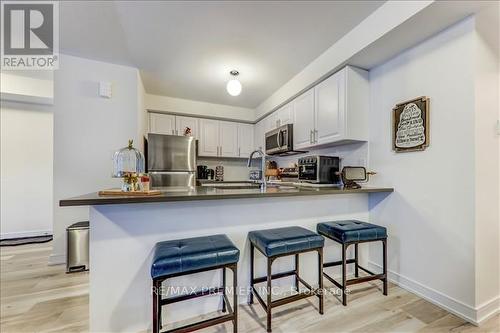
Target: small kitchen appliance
[(317, 169), (351, 175), (280, 141)]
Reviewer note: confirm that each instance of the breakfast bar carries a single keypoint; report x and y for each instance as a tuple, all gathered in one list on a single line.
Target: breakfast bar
[(125, 229)]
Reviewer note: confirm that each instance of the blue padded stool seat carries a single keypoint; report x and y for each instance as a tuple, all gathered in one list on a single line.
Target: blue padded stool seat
[(351, 231), (280, 241), (191, 254)]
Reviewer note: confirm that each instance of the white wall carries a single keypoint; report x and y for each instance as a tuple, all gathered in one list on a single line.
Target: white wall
[(26, 170), (432, 217), (487, 39), (197, 108), (380, 22), (87, 130)]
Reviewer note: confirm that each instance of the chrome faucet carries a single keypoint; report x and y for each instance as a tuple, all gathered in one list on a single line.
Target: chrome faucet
[(263, 168)]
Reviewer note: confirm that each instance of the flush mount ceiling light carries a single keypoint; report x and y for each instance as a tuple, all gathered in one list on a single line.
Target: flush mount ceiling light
[(233, 86)]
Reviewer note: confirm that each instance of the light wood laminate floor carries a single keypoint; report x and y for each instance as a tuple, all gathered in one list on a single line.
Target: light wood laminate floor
[(35, 297)]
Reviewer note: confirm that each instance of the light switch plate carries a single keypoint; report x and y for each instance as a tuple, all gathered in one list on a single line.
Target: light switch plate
[(105, 89)]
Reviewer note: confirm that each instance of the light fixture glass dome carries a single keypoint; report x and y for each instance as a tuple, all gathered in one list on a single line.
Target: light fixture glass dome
[(233, 87)]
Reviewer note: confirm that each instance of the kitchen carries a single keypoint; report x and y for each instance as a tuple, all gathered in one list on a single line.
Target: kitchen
[(214, 153)]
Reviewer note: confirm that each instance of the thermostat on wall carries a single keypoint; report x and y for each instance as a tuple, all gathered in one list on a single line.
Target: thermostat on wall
[(105, 89)]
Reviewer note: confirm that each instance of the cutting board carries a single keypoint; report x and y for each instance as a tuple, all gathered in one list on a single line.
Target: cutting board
[(117, 191)]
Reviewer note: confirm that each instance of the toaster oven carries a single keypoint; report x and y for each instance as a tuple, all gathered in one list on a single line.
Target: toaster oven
[(319, 169)]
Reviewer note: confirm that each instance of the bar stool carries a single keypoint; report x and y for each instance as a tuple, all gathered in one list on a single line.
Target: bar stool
[(354, 232), (194, 255), (277, 243)]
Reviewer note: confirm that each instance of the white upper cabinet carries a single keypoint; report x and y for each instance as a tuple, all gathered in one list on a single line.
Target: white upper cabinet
[(333, 112), (270, 122), (209, 138), (245, 140), (303, 124), (329, 109), (181, 123), (228, 139), (162, 123), (259, 135), (284, 115)]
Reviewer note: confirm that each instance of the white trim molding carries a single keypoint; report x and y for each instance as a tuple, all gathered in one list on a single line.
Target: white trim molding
[(475, 316), (24, 234)]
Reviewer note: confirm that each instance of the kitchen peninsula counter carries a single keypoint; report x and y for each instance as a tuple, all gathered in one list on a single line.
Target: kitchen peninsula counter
[(212, 193), (125, 229)]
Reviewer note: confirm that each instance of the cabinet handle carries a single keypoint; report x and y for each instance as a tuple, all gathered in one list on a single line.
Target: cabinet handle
[(173, 132), (311, 136), (316, 136), (239, 151)]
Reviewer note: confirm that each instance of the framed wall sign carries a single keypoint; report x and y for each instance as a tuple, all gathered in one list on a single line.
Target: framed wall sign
[(410, 125)]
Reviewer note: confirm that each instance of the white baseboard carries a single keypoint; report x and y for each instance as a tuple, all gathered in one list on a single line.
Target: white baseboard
[(57, 259), (488, 309), (473, 315), (22, 234)]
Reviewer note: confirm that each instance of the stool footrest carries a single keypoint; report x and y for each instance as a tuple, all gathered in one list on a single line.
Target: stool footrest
[(202, 324), (196, 294), (288, 299), (274, 276), (338, 263)]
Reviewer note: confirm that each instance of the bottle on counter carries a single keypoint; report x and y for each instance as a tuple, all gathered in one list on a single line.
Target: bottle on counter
[(145, 183)]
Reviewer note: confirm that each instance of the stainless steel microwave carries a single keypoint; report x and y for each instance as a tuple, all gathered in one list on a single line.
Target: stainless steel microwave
[(280, 140)]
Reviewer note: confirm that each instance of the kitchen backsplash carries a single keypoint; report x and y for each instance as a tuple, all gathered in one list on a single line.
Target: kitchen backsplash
[(234, 169), (355, 154)]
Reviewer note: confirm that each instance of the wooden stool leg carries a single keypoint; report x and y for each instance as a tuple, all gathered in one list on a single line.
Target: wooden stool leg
[(269, 288), (384, 249), (320, 280), (344, 274), (297, 272), (356, 260), (250, 298), (224, 291), (235, 298)]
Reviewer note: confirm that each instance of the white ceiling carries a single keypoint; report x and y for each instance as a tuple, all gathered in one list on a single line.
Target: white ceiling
[(186, 49)]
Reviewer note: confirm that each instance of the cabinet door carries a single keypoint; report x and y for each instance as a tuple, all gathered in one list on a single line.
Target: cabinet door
[(161, 123), (245, 140), (271, 122), (330, 124), (209, 138), (259, 135), (303, 124), (228, 139), (285, 115), (183, 122)]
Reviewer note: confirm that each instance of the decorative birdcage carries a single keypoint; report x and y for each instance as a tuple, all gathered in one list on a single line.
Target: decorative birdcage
[(128, 164)]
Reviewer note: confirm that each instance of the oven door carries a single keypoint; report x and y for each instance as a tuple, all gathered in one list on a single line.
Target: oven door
[(279, 140), (308, 172)]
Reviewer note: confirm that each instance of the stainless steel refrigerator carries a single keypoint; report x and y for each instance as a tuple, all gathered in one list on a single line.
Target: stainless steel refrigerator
[(171, 160)]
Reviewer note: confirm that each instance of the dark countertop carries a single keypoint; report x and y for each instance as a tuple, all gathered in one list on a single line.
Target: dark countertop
[(210, 193)]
